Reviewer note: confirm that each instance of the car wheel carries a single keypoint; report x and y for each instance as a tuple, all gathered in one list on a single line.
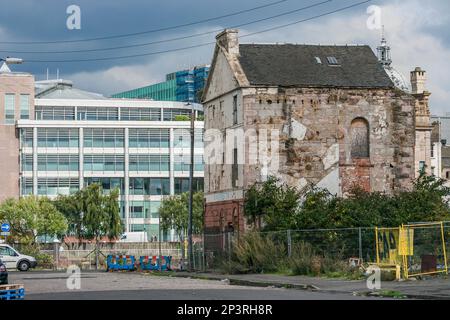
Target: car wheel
[(24, 266)]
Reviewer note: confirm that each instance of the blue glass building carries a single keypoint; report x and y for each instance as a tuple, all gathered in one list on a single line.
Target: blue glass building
[(183, 86)]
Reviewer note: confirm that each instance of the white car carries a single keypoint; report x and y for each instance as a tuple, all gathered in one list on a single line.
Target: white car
[(15, 260)]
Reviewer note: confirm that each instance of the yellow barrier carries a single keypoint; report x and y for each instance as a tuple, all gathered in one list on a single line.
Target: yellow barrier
[(408, 245)]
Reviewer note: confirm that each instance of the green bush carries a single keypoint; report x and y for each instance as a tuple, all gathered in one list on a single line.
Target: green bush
[(257, 253), (182, 117), (275, 206), (45, 261)]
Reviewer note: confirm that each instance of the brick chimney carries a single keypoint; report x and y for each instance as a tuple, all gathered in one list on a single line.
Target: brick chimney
[(418, 81), (229, 40), (422, 153)]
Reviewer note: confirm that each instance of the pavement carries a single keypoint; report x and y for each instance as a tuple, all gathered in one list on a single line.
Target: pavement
[(428, 288), (50, 285)]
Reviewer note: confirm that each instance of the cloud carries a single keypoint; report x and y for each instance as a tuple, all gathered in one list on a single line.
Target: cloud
[(408, 25), (412, 28), (121, 78)]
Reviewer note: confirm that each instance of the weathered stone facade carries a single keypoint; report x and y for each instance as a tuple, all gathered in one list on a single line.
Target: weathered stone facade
[(333, 136), (315, 141)]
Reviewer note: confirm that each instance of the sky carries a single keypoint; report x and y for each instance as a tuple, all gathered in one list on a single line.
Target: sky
[(417, 31)]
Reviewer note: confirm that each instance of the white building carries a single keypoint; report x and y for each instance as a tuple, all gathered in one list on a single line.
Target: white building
[(74, 138)]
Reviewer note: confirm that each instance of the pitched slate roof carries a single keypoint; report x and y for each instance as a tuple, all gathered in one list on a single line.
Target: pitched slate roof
[(296, 65)]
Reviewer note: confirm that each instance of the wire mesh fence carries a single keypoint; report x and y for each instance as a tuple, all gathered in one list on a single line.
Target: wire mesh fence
[(428, 245), (343, 244), (424, 249)]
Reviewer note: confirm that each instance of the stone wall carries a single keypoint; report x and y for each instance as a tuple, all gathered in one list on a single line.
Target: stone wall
[(316, 142)]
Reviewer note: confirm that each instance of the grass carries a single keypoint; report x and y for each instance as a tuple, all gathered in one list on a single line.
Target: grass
[(261, 255), (389, 294)]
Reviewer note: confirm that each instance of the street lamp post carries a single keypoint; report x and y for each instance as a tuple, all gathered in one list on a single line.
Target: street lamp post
[(191, 175), (7, 61), (159, 242)]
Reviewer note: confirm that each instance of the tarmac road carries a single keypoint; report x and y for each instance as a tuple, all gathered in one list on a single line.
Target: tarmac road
[(135, 286)]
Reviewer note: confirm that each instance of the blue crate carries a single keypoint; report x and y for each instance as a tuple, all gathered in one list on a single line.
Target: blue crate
[(12, 294)]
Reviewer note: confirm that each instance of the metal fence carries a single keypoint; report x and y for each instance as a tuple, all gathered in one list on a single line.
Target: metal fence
[(340, 244), (60, 256), (210, 249), (358, 243)]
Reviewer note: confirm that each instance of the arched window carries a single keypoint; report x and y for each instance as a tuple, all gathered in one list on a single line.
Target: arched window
[(360, 138)]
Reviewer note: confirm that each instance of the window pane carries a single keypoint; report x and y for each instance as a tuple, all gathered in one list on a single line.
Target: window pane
[(9, 108), (24, 106)]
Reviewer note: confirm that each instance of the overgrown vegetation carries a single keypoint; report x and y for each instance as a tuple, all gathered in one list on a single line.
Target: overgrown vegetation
[(274, 206), (258, 253), (44, 260)]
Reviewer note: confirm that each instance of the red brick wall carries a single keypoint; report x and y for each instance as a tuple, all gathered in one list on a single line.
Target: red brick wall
[(356, 174), (218, 216)]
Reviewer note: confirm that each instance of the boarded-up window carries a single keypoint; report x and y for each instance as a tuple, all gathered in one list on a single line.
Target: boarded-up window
[(360, 138)]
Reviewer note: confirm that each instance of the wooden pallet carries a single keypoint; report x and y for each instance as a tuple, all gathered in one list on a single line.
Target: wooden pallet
[(12, 292), (11, 286)]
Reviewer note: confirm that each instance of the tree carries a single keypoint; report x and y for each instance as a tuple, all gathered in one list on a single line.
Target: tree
[(273, 202), (92, 215), (100, 215), (49, 220), (70, 207), (174, 214), (31, 217), (281, 207)]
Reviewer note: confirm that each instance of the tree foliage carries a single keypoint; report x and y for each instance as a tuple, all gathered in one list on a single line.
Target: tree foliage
[(31, 217), (268, 201), (282, 207), (174, 213), (92, 214)]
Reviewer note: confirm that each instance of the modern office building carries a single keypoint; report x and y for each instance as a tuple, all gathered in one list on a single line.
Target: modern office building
[(184, 86), (66, 138), (440, 157), (444, 126)]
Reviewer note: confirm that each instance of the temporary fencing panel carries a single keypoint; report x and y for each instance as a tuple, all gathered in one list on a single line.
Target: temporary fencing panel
[(419, 248), (422, 247), (153, 263), (120, 262)]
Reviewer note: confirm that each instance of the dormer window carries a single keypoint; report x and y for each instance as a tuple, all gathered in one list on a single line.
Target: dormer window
[(332, 61)]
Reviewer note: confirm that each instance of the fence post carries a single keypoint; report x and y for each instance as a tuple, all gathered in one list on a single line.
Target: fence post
[(193, 258), (203, 253), (224, 238), (289, 243), (56, 254), (360, 243), (229, 247)]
